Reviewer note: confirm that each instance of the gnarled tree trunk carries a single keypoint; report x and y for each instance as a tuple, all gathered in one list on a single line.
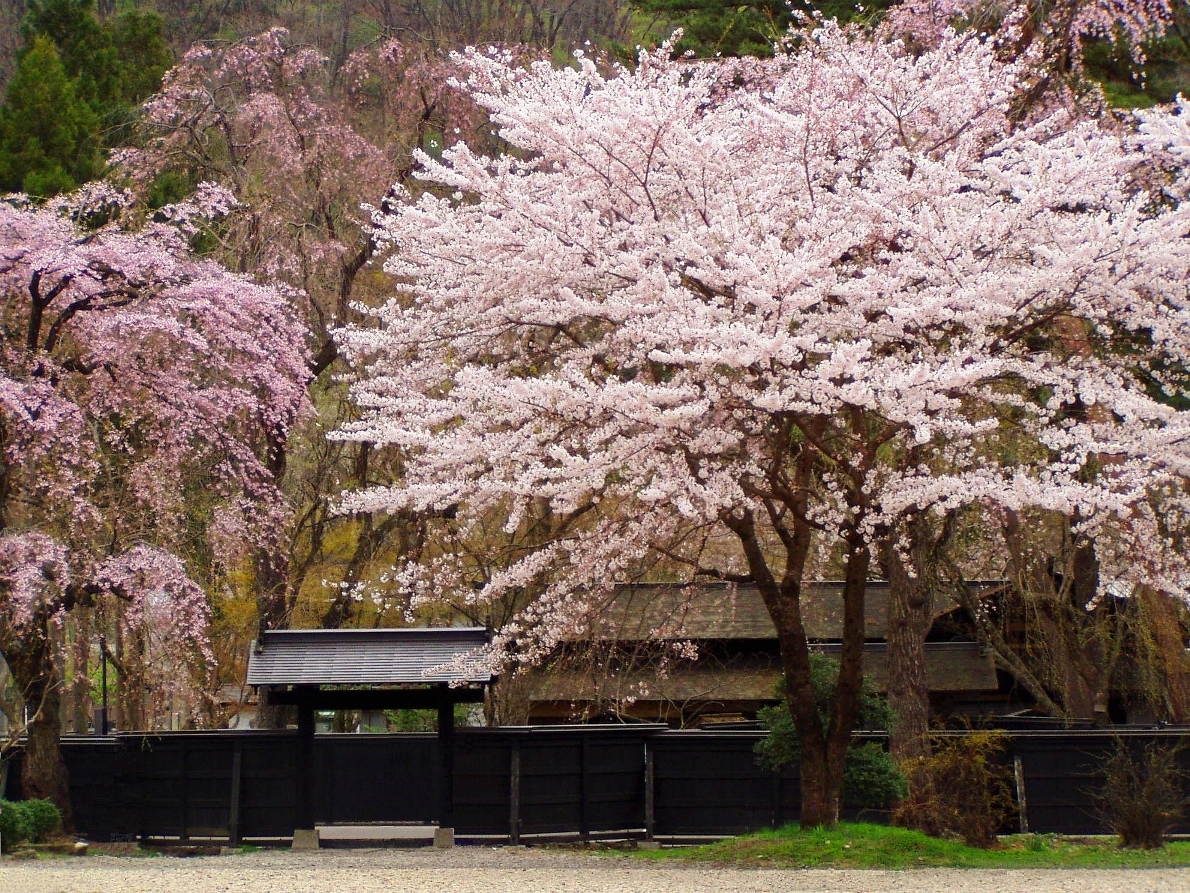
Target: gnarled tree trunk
[(43, 770), (913, 579), (910, 614)]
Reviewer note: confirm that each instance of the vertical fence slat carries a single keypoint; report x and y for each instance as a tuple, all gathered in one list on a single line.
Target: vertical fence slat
[(185, 792), (233, 807), (584, 819), (514, 793), (650, 820)]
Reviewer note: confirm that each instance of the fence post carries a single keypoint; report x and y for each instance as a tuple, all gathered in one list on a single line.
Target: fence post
[(446, 745), (233, 812), (650, 821), (185, 792), (584, 825), (304, 820), (1018, 769), (514, 794), (778, 807)]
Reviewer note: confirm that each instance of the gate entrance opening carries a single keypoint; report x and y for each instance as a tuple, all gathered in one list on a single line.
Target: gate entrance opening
[(371, 669)]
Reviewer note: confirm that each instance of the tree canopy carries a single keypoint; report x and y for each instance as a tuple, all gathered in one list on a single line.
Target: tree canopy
[(786, 314)]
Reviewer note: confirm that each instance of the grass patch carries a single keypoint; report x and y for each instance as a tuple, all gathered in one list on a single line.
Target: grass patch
[(878, 846)]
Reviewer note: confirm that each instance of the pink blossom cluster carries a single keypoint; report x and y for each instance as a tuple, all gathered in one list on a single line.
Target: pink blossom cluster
[(135, 378)]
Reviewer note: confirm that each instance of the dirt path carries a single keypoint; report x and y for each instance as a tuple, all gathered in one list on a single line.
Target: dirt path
[(513, 870)]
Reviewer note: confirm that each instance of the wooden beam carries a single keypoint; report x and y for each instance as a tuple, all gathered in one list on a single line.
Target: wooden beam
[(380, 699), (446, 748), (304, 820)]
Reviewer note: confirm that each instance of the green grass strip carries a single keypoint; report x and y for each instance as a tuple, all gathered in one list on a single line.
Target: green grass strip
[(878, 846)]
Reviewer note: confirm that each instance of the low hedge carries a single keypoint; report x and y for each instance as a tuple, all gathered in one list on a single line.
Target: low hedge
[(27, 820)]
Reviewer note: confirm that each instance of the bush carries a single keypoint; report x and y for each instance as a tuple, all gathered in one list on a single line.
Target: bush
[(44, 818), (1144, 795), (962, 790), (870, 778), (27, 820)]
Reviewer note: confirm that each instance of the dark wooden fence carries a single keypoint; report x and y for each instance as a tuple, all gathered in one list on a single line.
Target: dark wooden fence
[(509, 783)]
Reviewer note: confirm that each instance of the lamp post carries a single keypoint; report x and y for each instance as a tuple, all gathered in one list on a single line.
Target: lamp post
[(103, 684)]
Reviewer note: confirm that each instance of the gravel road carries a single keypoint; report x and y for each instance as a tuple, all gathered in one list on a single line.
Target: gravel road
[(513, 870)]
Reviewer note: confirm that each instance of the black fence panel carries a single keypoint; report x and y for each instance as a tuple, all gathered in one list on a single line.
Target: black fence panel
[(1064, 780), (102, 787), (509, 782), (183, 785), (268, 792), (709, 783), (482, 781), (367, 779), (588, 782)]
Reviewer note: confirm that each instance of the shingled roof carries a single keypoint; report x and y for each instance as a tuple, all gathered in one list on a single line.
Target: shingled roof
[(367, 656), (669, 611), (950, 667)]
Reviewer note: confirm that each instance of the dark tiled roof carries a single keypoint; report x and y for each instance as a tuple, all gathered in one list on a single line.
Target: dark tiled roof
[(720, 611), (950, 666), (366, 657)]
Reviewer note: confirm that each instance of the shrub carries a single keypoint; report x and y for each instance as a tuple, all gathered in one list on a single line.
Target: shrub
[(1145, 793), (14, 825), (43, 817), (962, 790), (27, 820), (870, 778)]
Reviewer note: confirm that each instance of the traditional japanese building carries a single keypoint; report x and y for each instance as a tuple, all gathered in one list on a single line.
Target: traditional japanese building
[(634, 662)]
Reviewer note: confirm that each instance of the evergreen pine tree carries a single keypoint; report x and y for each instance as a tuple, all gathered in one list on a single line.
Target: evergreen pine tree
[(48, 133), (115, 64)]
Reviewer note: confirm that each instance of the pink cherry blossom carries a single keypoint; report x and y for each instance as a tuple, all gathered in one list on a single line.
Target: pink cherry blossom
[(671, 288)]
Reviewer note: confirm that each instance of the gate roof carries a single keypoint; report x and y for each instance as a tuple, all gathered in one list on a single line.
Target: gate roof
[(368, 656)]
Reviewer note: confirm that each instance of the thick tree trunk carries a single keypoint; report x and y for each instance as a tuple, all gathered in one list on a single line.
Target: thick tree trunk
[(909, 617), (43, 770), (824, 750), (80, 683), (912, 578), (822, 787), (272, 603)]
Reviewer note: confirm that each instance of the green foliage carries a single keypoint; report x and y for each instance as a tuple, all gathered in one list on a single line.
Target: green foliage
[(43, 816), (962, 790), (75, 88), (853, 845), (1166, 72), (48, 134), (139, 39), (423, 720), (870, 778), (27, 821), (116, 64), (1145, 794), (716, 28), (88, 54)]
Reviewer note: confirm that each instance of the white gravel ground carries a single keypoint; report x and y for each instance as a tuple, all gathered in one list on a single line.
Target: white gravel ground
[(511, 870)]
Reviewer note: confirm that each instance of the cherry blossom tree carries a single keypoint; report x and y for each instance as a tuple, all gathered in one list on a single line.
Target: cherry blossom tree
[(141, 392), (301, 145), (684, 308), (1051, 568)]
